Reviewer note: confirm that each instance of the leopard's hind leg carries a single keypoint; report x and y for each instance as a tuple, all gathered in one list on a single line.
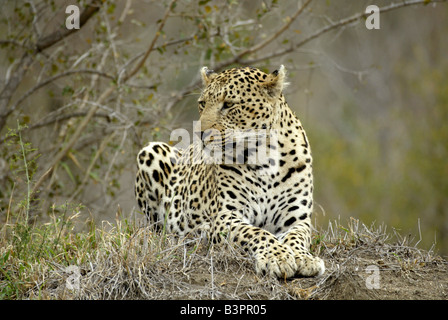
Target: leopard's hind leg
[(155, 164)]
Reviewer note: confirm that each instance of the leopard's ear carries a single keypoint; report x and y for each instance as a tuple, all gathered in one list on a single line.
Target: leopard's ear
[(207, 75), (276, 82)]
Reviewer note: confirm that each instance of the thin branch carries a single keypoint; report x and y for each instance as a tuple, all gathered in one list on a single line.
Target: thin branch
[(276, 34), (151, 46), (35, 18), (336, 25), (164, 45), (27, 59), (80, 129), (52, 79), (10, 87), (64, 117), (61, 154), (59, 118), (258, 47), (58, 35), (15, 43), (92, 163), (237, 59)]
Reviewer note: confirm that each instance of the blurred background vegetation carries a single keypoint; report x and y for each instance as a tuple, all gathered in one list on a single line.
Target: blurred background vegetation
[(76, 106)]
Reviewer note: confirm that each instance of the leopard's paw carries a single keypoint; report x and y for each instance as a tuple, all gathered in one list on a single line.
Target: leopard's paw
[(310, 266), (277, 262)]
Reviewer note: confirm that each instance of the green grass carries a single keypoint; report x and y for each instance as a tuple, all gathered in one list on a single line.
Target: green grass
[(36, 261), (29, 251)]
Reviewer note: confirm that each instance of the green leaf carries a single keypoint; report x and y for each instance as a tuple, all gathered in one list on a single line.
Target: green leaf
[(67, 90), (111, 8), (69, 172), (94, 176)]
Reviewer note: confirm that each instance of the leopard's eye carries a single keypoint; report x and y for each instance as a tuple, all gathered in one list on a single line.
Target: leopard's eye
[(201, 105), (227, 105)]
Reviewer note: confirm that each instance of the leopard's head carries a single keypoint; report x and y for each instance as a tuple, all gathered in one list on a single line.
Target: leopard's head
[(240, 99), (239, 102)]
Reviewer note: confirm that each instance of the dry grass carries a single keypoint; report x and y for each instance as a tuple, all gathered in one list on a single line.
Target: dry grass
[(125, 260), (403, 268)]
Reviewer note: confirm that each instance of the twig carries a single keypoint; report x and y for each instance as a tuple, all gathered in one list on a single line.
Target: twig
[(80, 129), (63, 117), (92, 163), (273, 36), (16, 43), (151, 46), (336, 25), (52, 79), (237, 58), (164, 45), (27, 59), (58, 35)]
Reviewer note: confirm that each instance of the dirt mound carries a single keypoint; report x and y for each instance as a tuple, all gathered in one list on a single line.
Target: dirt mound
[(362, 263)]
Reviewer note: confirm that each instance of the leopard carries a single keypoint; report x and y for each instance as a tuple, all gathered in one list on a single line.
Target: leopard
[(262, 203)]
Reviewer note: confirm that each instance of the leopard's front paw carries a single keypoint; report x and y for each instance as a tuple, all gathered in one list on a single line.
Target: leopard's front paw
[(277, 262), (310, 266)]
